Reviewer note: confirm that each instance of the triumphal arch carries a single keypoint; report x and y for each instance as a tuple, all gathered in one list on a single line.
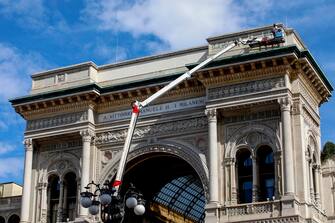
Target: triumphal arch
[(237, 142)]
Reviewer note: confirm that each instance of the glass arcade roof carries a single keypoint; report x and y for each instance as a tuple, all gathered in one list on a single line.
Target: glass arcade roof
[(184, 195)]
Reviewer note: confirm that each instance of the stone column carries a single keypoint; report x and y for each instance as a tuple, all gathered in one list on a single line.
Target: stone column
[(44, 203), (213, 156), (311, 180), (87, 136), (233, 181), (28, 164), (285, 106), (254, 179), (60, 203), (278, 174), (49, 203), (317, 184), (65, 201)]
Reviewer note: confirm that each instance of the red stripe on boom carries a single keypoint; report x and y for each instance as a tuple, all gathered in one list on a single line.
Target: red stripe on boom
[(117, 183), (136, 109)]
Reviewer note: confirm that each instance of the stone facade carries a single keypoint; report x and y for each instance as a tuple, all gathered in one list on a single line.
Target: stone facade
[(247, 103), (10, 202)]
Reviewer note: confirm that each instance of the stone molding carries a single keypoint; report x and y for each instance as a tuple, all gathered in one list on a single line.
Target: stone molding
[(61, 146), (55, 121), (307, 95), (41, 112), (28, 144), (175, 94), (236, 77), (168, 128), (246, 88), (252, 116)]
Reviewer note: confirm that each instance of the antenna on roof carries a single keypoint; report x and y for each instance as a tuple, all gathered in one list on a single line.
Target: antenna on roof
[(117, 37)]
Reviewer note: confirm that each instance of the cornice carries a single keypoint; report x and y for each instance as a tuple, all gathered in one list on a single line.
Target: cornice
[(210, 79), (53, 110)]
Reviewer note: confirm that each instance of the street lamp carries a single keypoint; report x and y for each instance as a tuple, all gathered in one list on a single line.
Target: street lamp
[(112, 206)]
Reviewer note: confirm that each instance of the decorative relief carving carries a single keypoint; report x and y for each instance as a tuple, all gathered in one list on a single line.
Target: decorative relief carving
[(245, 135), (307, 96), (61, 167), (57, 121), (251, 116), (153, 130), (310, 122), (246, 88), (62, 145)]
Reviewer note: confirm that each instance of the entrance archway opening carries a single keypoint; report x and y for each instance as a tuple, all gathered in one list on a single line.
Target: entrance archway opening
[(171, 188), (14, 219), (2, 219)]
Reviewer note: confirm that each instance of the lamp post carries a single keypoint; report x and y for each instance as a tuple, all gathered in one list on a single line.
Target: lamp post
[(112, 206)]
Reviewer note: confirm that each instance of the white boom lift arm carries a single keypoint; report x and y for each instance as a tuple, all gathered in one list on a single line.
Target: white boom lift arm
[(137, 106)]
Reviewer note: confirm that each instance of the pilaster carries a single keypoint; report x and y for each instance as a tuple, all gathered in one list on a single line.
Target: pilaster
[(212, 208), (87, 136), (285, 107), (28, 161)]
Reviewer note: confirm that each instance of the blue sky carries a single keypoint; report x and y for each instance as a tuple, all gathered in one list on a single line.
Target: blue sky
[(37, 35)]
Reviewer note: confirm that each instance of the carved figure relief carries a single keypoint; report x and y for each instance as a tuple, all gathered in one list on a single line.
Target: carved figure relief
[(153, 130)]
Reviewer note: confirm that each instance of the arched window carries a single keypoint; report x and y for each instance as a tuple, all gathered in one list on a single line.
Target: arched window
[(53, 198), (2, 219), (244, 170), (14, 219), (266, 170), (70, 196)]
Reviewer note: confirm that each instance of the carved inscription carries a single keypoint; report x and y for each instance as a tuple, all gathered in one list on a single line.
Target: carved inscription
[(153, 130), (154, 109), (246, 88), (57, 121)]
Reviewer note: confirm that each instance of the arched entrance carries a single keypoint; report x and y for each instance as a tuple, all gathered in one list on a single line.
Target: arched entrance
[(2, 219), (171, 187), (14, 219)]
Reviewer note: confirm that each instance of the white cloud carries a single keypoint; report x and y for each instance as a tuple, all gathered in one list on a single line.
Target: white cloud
[(11, 167), (27, 12), (178, 23), (15, 68), (6, 148)]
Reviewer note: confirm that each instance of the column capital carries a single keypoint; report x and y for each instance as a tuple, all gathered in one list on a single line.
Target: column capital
[(211, 114), (87, 135), (229, 161), (28, 144), (285, 104)]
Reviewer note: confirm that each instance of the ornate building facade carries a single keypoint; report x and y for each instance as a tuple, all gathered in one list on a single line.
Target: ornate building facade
[(237, 142), (10, 202)]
